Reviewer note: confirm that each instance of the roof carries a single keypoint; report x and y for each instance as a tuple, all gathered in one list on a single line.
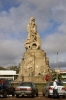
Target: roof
[(7, 72), (62, 71)]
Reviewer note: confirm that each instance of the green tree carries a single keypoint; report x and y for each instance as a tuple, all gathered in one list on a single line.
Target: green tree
[(54, 74), (15, 68), (2, 68)]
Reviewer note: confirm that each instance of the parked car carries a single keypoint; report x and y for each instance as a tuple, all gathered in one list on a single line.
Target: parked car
[(48, 89), (6, 88), (64, 81), (26, 88)]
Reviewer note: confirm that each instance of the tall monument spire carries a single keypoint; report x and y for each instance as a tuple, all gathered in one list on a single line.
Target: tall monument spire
[(34, 64)]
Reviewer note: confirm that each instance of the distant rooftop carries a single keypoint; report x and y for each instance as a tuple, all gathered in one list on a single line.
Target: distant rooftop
[(7, 72)]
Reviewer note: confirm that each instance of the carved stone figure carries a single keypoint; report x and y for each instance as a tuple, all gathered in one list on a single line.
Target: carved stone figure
[(31, 28), (33, 41)]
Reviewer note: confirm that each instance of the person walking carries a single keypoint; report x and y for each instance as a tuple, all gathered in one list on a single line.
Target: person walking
[(2, 83), (55, 90)]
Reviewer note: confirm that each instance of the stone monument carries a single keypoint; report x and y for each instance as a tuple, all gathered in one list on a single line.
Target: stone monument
[(34, 65)]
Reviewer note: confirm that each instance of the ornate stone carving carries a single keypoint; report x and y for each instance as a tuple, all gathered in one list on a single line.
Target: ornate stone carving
[(34, 64), (33, 41)]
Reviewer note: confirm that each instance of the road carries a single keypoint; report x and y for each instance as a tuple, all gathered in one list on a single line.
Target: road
[(40, 97)]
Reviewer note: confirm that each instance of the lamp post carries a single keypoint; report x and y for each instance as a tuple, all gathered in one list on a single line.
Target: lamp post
[(22, 69), (57, 66)]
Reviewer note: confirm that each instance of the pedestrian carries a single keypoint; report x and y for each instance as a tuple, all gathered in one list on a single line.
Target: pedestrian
[(55, 90), (2, 83)]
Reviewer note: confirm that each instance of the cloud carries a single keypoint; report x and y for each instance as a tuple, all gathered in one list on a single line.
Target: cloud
[(52, 44), (11, 51), (55, 43), (61, 65), (50, 18)]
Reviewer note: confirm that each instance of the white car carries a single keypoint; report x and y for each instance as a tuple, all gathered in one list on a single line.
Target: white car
[(48, 89), (64, 81), (26, 88)]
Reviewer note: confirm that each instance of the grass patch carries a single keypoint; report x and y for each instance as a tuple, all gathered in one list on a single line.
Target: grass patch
[(40, 86)]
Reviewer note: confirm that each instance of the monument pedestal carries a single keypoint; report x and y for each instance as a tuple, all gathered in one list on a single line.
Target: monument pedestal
[(34, 64)]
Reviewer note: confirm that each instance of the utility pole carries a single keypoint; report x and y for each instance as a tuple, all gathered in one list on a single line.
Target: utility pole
[(22, 69), (57, 66)]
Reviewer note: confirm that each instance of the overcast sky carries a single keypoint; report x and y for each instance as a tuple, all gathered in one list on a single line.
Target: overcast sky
[(50, 16)]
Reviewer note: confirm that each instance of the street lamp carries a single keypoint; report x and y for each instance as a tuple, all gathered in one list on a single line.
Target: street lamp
[(57, 65)]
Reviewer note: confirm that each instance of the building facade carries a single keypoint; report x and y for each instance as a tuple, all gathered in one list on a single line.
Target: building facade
[(8, 74)]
